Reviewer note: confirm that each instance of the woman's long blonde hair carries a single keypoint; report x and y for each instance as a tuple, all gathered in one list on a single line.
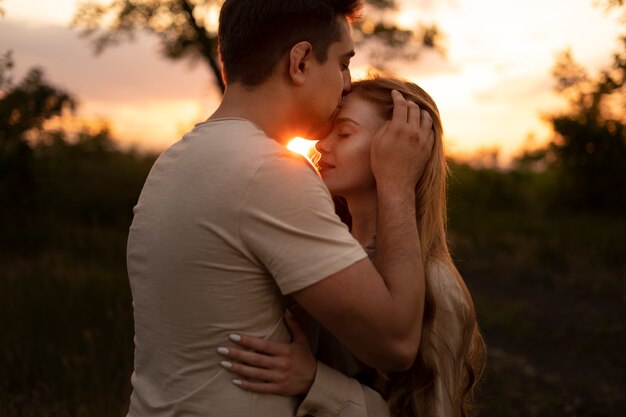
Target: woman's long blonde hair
[(455, 364)]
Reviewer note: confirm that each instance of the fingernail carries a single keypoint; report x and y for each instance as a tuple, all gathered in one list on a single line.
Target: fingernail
[(226, 364), (237, 382), (235, 337), (223, 351)]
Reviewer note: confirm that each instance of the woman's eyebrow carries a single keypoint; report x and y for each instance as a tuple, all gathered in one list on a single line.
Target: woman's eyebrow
[(344, 119)]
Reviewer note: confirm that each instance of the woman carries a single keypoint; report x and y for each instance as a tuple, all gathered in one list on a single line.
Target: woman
[(451, 355)]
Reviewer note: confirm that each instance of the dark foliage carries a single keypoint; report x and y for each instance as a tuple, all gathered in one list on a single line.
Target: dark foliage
[(588, 153)]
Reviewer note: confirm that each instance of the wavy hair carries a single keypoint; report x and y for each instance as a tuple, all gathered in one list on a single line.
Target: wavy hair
[(451, 357)]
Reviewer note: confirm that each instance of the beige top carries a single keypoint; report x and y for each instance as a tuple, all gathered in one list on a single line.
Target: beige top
[(228, 222), (333, 394)]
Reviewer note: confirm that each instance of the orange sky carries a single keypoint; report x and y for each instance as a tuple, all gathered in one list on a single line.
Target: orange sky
[(492, 87)]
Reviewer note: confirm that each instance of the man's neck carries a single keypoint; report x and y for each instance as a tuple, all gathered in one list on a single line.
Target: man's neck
[(264, 105)]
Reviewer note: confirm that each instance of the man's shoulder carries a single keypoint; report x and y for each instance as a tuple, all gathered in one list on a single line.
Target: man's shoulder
[(231, 124), (222, 147), (230, 132)]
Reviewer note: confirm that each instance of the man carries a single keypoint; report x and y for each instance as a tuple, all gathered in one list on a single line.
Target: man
[(229, 222)]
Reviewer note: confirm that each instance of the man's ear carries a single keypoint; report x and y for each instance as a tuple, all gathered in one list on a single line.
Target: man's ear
[(299, 57)]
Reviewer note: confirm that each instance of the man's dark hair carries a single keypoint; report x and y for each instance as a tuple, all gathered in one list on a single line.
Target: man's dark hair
[(255, 34)]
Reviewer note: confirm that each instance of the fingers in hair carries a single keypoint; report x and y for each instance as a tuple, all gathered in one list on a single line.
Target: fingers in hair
[(414, 116), (400, 109)]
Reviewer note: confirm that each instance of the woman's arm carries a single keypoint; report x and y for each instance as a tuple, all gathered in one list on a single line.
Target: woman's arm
[(291, 369), (334, 394)]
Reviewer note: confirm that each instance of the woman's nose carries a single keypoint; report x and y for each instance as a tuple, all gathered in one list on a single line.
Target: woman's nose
[(323, 145)]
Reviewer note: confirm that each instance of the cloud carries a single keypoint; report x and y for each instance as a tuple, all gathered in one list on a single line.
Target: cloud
[(516, 89), (148, 101), (427, 64), (130, 73)]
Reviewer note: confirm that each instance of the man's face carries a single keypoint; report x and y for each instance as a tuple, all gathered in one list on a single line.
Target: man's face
[(329, 82)]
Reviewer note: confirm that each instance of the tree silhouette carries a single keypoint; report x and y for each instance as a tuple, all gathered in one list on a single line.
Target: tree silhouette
[(187, 29), (29, 104), (590, 150), (612, 3), (588, 153), (24, 108), (53, 174), (387, 42)]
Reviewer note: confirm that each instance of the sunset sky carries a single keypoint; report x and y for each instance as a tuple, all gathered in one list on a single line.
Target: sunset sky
[(492, 87)]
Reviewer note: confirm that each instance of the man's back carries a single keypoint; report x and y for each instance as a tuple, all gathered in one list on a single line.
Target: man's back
[(221, 232)]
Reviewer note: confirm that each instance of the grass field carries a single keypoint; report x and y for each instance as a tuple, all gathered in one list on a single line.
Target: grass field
[(549, 287), (551, 301)]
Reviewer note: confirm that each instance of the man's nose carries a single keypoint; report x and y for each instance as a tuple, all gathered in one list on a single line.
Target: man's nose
[(347, 82)]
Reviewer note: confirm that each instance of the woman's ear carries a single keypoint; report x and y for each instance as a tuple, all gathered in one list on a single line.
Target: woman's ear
[(299, 57)]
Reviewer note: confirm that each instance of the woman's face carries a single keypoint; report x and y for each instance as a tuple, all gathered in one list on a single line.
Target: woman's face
[(345, 152)]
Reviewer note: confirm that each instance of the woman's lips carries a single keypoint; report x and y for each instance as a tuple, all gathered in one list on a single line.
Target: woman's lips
[(324, 166)]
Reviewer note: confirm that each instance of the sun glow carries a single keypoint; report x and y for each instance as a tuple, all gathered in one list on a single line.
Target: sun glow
[(305, 148)]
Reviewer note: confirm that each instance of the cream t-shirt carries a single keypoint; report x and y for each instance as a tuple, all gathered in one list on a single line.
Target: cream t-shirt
[(228, 222)]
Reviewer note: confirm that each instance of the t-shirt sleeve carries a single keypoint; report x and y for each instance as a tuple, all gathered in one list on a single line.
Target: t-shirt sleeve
[(333, 394), (288, 222)]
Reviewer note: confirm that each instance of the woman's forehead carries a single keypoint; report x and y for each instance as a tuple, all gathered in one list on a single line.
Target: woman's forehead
[(361, 110)]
